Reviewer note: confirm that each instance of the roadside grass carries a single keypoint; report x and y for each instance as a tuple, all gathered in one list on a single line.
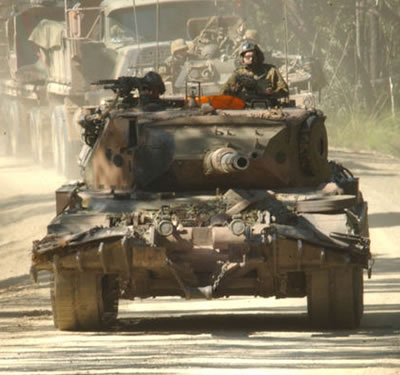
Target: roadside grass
[(367, 133)]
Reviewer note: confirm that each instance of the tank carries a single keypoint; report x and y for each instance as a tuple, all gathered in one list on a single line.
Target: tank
[(201, 197), (213, 52)]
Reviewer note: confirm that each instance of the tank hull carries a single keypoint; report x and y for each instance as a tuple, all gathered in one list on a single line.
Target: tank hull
[(279, 243)]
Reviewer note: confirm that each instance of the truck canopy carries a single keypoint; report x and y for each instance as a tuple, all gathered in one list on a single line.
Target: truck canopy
[(48, 34)]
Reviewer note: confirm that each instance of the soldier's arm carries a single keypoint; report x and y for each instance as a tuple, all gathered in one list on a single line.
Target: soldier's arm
[(230, 87), (279, 86)]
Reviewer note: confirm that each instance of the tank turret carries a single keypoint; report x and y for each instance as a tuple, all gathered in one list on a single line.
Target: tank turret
[(176, 148)]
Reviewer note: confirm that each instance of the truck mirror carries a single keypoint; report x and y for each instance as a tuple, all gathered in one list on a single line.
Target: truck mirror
[(74, 18)]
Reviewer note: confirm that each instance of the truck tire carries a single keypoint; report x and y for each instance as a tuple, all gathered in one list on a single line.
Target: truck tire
[(82, 301), (335, 297)]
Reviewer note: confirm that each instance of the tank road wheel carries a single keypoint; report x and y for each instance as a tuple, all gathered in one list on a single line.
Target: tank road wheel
[(335, 298), (84, 300)]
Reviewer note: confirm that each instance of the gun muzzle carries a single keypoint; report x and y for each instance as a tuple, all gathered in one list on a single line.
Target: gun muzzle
[(225, 160)]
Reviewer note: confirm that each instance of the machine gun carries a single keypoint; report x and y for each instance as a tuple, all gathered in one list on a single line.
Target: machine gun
[(247, 82), (255, 95), (123, 86), (94, 123)]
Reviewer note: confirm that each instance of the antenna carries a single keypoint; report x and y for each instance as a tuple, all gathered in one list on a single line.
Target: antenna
[(136, 24), (286, 41), (158, 35)]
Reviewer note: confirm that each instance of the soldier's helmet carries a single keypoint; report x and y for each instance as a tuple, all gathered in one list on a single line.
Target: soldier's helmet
[(154, 83), (248, 46), (178, 45), (251, 35)]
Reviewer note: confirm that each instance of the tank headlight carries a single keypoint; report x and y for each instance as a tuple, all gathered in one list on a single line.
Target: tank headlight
[(237, 227), (165, 228)]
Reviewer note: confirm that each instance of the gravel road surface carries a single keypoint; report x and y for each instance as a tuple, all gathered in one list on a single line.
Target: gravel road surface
[(174, 336)]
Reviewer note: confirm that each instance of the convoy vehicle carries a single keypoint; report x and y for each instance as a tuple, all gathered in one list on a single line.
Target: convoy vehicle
[(46, 42), (213, 47), (55, 49), (204, 197)]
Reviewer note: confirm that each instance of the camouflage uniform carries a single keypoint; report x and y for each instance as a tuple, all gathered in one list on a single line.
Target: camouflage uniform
[(251, 81), (246, 82)]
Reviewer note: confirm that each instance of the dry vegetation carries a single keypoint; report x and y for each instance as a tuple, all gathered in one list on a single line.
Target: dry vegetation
[(357, 44)]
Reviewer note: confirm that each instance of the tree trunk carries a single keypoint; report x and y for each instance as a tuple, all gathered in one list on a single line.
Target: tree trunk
[(373, 44), (304, 32), (364, 95)]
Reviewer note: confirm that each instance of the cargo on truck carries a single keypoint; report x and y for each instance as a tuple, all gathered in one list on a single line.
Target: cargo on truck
[(55, 49)]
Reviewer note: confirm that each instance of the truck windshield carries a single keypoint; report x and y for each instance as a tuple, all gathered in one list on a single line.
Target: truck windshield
[(173, 19)]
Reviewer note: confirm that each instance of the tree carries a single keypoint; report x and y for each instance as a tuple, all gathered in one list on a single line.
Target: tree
[(356, 41)]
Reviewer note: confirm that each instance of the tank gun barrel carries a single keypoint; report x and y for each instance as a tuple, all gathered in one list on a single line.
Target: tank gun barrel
[(224, 161)]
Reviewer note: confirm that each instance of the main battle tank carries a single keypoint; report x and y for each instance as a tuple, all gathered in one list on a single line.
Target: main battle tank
[(204, 198)]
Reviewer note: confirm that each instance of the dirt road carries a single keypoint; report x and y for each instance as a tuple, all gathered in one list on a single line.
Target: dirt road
[(172, 336)]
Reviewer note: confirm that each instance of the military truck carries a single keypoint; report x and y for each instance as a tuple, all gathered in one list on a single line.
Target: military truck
[(47, 41), (3, 39), (4, 72), (203, 197), (56, 48)]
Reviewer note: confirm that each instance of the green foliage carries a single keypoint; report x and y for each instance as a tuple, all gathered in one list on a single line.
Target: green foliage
[(365, 132), (357, 44)]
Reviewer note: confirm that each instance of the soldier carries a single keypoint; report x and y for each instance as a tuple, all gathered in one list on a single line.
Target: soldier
[(254, 79), (250, 35), (152, 89), (174, 63)]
